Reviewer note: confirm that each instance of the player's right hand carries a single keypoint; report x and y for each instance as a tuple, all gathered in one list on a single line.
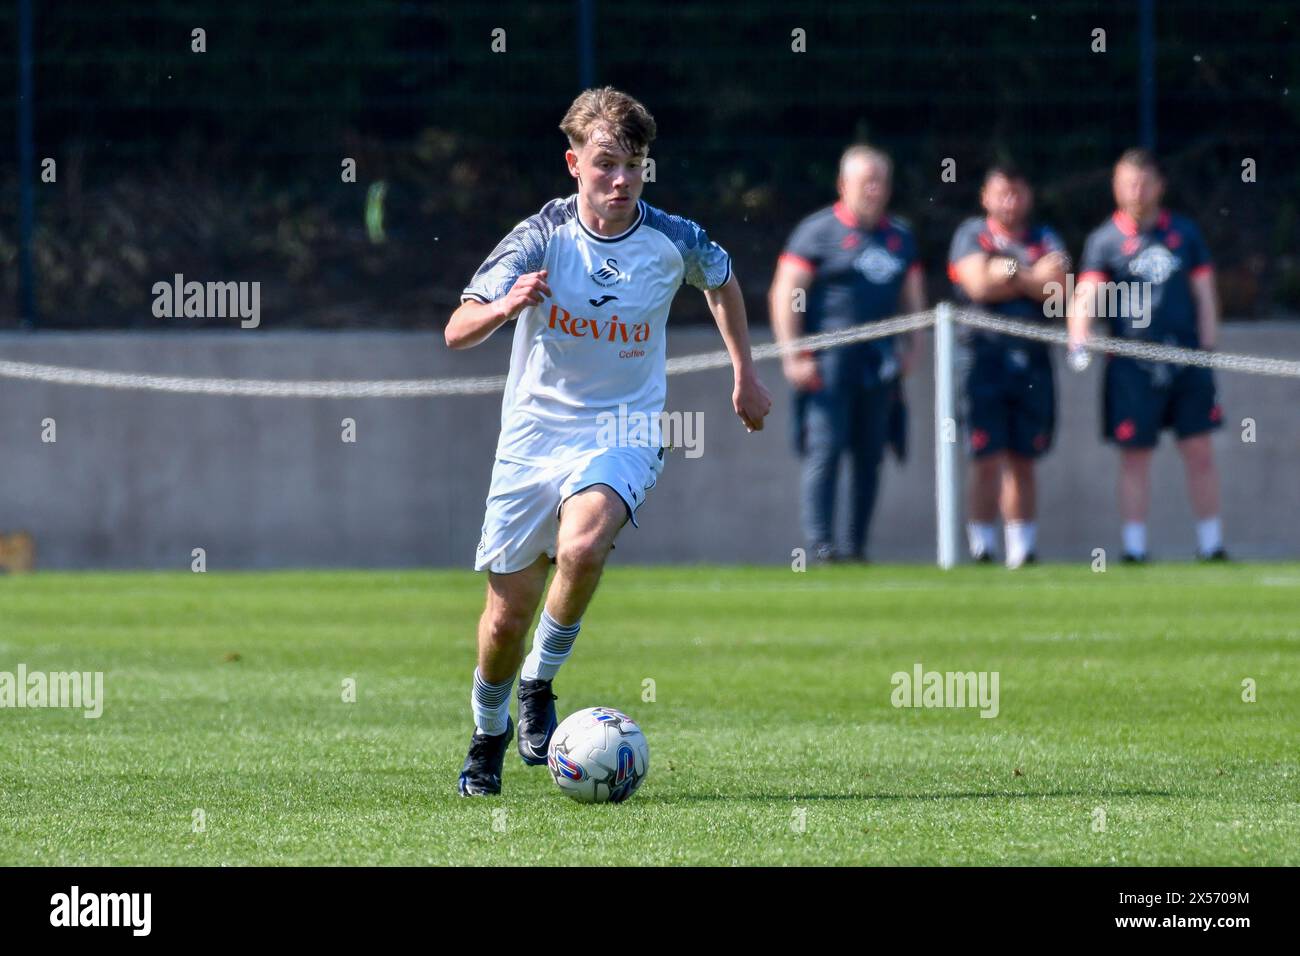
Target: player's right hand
[(527, 290), (801, 372)]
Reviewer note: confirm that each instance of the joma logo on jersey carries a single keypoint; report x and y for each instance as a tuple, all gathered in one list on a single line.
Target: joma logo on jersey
[(611, 329)]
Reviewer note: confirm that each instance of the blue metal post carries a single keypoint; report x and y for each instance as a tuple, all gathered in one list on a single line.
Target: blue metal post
[(1147, 74), (26, 168)]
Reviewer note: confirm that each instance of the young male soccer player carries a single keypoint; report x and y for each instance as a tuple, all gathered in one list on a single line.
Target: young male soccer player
[(1005, 263), (1148, 248), (588, 282), (854, 264)]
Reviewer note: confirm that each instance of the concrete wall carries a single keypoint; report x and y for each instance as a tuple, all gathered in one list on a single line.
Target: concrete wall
[(139, 479)]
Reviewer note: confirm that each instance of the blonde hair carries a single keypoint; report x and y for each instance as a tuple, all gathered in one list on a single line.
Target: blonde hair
[(630, 123)]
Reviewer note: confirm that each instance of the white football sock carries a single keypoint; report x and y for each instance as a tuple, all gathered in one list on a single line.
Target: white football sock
[(491, 705), (552, 645), (983, 538), (1135, 538), (1020, 536), (1209, 534)]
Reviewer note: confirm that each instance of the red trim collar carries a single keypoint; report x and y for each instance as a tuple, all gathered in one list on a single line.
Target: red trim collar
[(1124, 222), (845, 216), (1129, 226), (997, 229)]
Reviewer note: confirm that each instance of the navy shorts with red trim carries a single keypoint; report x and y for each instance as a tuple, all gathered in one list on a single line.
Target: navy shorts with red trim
[(1010, 404), (1140, 399)]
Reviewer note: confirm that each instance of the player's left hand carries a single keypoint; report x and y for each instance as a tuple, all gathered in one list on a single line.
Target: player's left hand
[(751, 400)]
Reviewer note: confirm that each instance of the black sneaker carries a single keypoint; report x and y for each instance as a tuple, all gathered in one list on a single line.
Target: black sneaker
[(537, 720), (984, 557), (825, 554), (481, 775), (1217, 555), (1129, 558)]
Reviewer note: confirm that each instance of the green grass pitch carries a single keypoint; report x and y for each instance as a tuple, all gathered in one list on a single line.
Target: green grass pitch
[(772, 735)]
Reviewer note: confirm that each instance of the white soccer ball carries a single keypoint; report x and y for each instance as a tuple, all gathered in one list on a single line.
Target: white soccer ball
[(598, 755)]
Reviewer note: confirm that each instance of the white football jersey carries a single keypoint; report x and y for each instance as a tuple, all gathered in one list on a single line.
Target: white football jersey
[(597, 343)]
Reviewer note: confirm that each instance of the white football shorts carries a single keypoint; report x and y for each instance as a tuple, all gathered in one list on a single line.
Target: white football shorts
[(524, 501)]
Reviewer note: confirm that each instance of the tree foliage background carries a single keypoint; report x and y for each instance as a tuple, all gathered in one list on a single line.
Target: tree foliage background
[(226, 164)]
